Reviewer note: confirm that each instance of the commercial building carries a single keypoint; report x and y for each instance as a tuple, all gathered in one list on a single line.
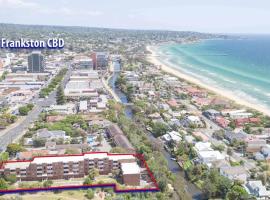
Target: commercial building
[(100, 60), (36, 62), (18, 68), (84, 63), (74, 166)]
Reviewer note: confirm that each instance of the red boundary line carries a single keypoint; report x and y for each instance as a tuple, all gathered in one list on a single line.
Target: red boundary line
[(72, 187)]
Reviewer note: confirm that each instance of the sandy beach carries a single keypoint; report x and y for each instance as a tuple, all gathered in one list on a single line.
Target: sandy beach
[(153, 58)]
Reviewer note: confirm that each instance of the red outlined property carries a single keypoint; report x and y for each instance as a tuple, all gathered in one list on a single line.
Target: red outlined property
[(133, 170)]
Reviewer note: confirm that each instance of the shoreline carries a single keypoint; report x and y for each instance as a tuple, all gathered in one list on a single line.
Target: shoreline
[(226, 94)]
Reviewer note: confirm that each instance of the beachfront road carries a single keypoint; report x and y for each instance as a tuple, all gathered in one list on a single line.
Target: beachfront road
[(7, 137)]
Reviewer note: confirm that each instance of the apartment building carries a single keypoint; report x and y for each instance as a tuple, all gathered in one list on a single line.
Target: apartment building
[(73, 166)]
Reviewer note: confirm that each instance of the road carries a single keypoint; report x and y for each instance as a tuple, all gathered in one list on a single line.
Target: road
[(211, 127), (108, 88), (18, 130)]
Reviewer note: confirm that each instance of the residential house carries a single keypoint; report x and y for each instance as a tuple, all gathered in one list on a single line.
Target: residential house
[(211, 114), (192, 121), (234, 173), (51, 135), (172, 136), (65, 109), (257, 189), (254, 145), (231, 136), (222, 121)]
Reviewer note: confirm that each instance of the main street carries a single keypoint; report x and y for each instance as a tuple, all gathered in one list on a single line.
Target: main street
[(18, 130)]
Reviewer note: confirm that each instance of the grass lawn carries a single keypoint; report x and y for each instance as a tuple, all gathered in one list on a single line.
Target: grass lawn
[(64, 195)]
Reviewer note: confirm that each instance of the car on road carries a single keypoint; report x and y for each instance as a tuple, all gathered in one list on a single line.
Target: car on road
[(174, 159)]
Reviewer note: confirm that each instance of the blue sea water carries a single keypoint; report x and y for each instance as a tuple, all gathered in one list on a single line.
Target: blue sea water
[(240, 64)]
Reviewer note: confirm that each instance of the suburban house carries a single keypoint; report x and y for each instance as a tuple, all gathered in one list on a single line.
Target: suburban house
[(192, 120), (231, 136), (65, 109), (211, 114), (207, 155), (255, 145), (257, 189), (51, 135), (234, 173), (172, 136)]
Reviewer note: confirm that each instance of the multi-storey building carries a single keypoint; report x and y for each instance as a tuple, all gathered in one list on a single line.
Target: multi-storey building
[(36, 62), (100, 60), (73, 166)]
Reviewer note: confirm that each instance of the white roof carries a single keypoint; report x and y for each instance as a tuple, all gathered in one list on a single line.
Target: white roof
[(193, 118), (14, 165), (130, 168), (203, 146), (211, 154), (175, 136), (257, 185), (101, 105)]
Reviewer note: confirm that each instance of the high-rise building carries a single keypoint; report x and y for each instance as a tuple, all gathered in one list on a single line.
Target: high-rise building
[(100, 60), (36, 62)]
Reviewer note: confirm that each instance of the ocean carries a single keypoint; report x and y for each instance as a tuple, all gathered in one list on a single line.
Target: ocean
[(240, 65)]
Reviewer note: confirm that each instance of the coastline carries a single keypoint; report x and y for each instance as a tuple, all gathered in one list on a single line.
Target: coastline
[(226, 94)]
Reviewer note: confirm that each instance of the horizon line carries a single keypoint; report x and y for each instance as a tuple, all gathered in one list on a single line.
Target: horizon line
[(134, 29)]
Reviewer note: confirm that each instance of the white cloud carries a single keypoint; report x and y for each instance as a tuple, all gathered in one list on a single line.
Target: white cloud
[(17, 4), (94, 13), (26, 5), (69, 12)]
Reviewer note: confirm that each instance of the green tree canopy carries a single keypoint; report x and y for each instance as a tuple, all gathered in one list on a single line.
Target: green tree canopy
[(13, 149), (60, 96)]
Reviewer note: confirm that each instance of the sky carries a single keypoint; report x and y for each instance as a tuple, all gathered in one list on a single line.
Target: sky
[(212, 16)]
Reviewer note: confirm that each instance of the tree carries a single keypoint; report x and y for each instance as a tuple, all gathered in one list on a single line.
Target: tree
[(87, 181), (23, 110), (90, 194), (4, 156), (30, 106), (11, 178), (159, 129), (93, 173), (237, 192), (47, 183), (3, 184), (60, 96), (209, 189), (13, 149), (39, 142), (162, 184)]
